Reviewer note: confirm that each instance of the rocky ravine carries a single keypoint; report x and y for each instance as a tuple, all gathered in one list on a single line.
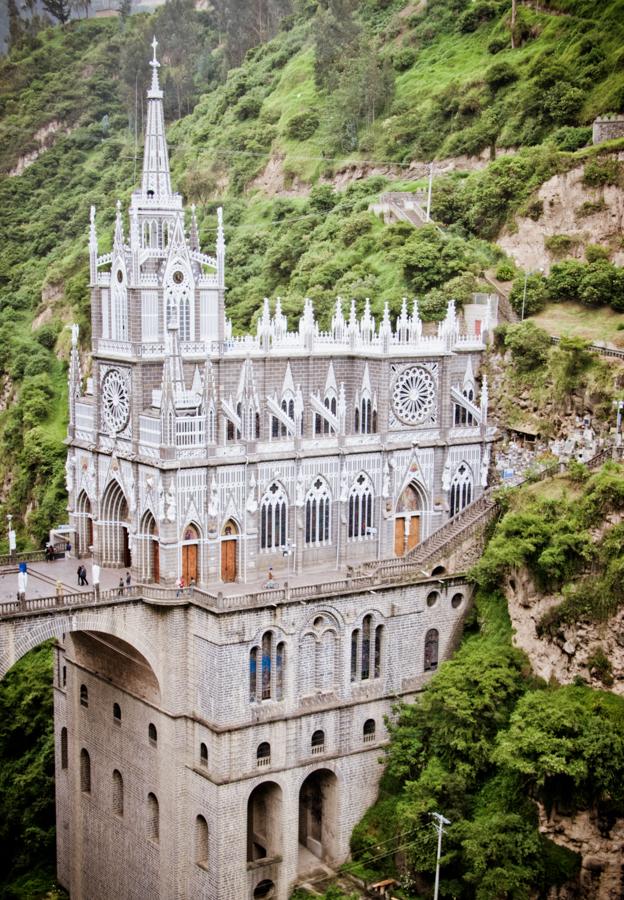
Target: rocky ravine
[(565, 656), (600, 844)]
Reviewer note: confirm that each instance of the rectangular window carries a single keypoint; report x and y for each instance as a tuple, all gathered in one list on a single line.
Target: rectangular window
[(104, 297), (208, 315), (149, 315)]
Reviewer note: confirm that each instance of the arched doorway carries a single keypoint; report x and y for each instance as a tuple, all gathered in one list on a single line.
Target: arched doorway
[(114, 532), (84, 524), (150, 549), (264, 822), (229, 542), (190, 554), (318, 808), (407, 520)]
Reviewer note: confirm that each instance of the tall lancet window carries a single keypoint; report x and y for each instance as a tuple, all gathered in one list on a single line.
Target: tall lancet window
[(461, 489), (318, 513), (119, 306), (361, 508), (178, 301), (274, 518)]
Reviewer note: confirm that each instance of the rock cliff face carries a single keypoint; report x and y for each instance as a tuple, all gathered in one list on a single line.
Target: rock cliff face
[(563, 658), (565, 202), (601, 849)]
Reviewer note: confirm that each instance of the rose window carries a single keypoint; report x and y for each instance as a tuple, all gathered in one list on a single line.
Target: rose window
[(413, 395), (115, 400)]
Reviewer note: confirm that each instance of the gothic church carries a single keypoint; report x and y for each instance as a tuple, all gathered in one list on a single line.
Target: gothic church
[(241, 756)]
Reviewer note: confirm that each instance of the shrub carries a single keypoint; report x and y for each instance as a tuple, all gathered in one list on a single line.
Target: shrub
[(571, 138), (500, 74), (590, 207), (600, 171), (600, 666), (528, 294), (505, 271), (302, 125), (560, 244), (498, 44), (47, 335), (404, 59), (596, 253), (529, 346), (564, 280)]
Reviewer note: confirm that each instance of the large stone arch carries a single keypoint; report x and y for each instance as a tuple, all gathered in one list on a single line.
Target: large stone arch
[(20, 635)]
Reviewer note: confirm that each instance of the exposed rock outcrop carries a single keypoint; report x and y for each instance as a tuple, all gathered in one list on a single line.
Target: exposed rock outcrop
[(601, 847)]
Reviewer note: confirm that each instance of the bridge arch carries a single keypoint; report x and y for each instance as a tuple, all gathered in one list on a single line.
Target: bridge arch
[(20, 635)]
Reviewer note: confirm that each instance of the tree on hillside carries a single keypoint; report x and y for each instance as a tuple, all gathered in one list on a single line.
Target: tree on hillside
[(60, 9), (336, 36)]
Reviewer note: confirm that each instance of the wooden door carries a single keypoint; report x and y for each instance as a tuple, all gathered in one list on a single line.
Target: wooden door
[(399, 536), (228, 559), (155, 561), (413, 537), (189, 563)]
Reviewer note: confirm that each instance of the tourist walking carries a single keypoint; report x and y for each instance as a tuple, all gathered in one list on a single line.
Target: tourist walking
[(128, 579), (121, 586), (181, 586)]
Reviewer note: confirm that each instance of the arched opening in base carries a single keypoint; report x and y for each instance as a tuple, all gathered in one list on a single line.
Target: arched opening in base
[(264, 822), (318, 808)]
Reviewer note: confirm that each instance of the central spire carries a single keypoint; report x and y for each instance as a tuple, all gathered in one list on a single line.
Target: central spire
[(156, 178)]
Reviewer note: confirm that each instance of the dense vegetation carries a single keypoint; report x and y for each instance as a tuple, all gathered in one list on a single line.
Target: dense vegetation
[(486, 740), (27, 837)]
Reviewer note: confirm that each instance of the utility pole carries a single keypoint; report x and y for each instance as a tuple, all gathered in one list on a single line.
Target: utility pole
[(439, 826), (429, 191)]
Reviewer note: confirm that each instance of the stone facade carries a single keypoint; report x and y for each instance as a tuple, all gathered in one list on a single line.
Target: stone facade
[(184, 720), (607, 128), (218, 749)]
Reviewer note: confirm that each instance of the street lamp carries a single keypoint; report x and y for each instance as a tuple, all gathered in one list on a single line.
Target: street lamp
[(524, 293)]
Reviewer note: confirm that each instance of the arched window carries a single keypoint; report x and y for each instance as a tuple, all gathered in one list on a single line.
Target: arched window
[(203, 755), (361, 508), (280, 652), (185, 318), (318, 513), (432, 598), (117, 713), (63, 748), (84, 696), (431, 650), (288, 406), (85, 772), (461, 489), (274, 518), (366, 637), (263, 754), (153, 818), (364, 423), (368, 732), (377, 657), (201, 841), (355, 643), (366, 650), (317, 744), (318, 656), (118, 793), (267, 662), (152, 734)]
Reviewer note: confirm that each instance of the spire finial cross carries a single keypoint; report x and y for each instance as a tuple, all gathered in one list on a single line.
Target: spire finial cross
[(154, 61)]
